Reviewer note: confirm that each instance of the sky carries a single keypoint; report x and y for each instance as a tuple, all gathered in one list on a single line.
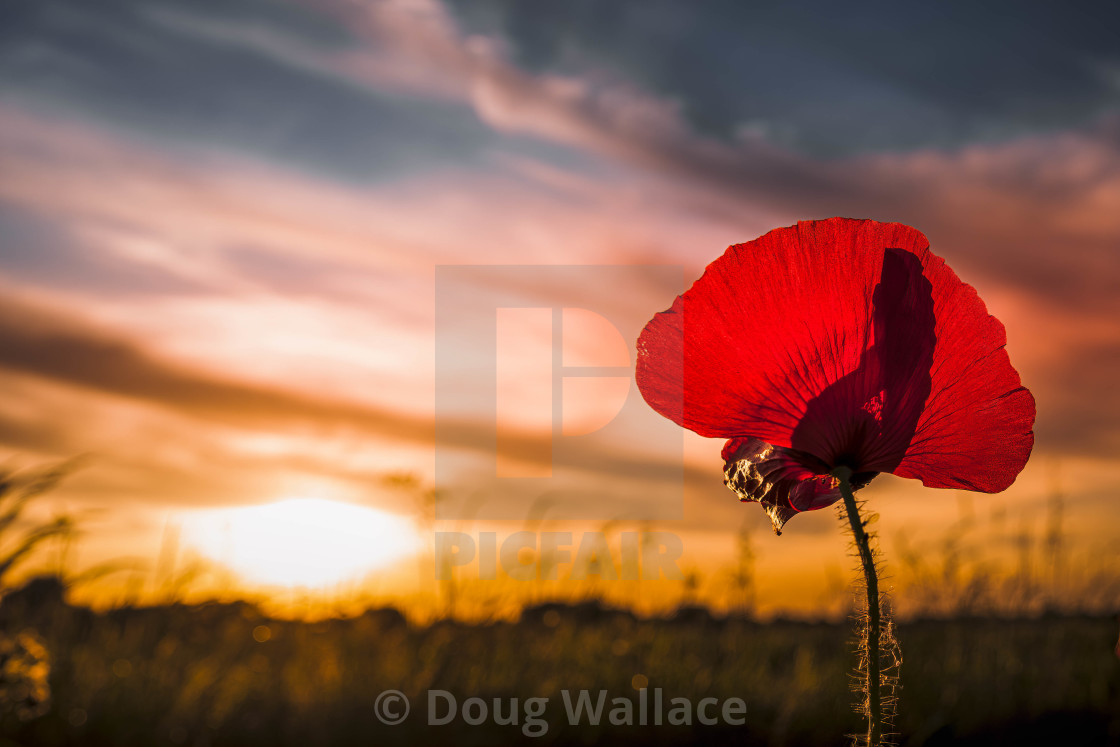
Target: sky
[(225, 229)]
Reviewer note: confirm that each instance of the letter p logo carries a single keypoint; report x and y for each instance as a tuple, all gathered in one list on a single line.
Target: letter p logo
[(536, 404)]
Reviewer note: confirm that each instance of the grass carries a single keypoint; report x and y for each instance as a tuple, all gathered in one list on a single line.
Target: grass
[(992, 656), (225, 674)]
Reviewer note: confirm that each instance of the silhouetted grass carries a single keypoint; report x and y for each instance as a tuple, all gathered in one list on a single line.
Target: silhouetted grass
[(988, 659), (225, 674)]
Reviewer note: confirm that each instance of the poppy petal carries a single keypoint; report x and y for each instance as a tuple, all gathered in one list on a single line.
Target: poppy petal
[(849, 341), (785, 482), (976, 429)]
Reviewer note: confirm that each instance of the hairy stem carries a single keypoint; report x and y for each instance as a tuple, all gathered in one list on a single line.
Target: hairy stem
[(873, 681)]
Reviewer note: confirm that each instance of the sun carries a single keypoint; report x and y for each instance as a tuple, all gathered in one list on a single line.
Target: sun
[(301, 542)]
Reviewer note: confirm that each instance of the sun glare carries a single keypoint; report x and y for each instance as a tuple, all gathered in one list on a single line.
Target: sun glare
[(301, 542)]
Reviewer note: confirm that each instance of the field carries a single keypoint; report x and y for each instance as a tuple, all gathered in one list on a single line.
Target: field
[(225, 674)]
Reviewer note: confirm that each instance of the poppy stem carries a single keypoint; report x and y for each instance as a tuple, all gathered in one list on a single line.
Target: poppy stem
[(871, 638)]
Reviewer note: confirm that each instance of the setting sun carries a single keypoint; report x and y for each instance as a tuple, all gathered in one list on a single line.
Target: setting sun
[(306, 542)]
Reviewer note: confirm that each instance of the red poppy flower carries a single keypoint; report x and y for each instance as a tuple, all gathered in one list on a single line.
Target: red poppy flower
[(839, 343)]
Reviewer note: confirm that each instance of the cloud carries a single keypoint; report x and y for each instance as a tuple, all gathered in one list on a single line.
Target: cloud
[(42, 344), (1031, 216), (1013, 211), (985, 208), (231, 289), (243, 76), (836, 80)]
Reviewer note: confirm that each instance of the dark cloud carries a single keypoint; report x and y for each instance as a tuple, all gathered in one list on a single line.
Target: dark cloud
[(46, 345), (38, 251), (229, 75), (38, 435), (833, 78), (1078, 414)]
